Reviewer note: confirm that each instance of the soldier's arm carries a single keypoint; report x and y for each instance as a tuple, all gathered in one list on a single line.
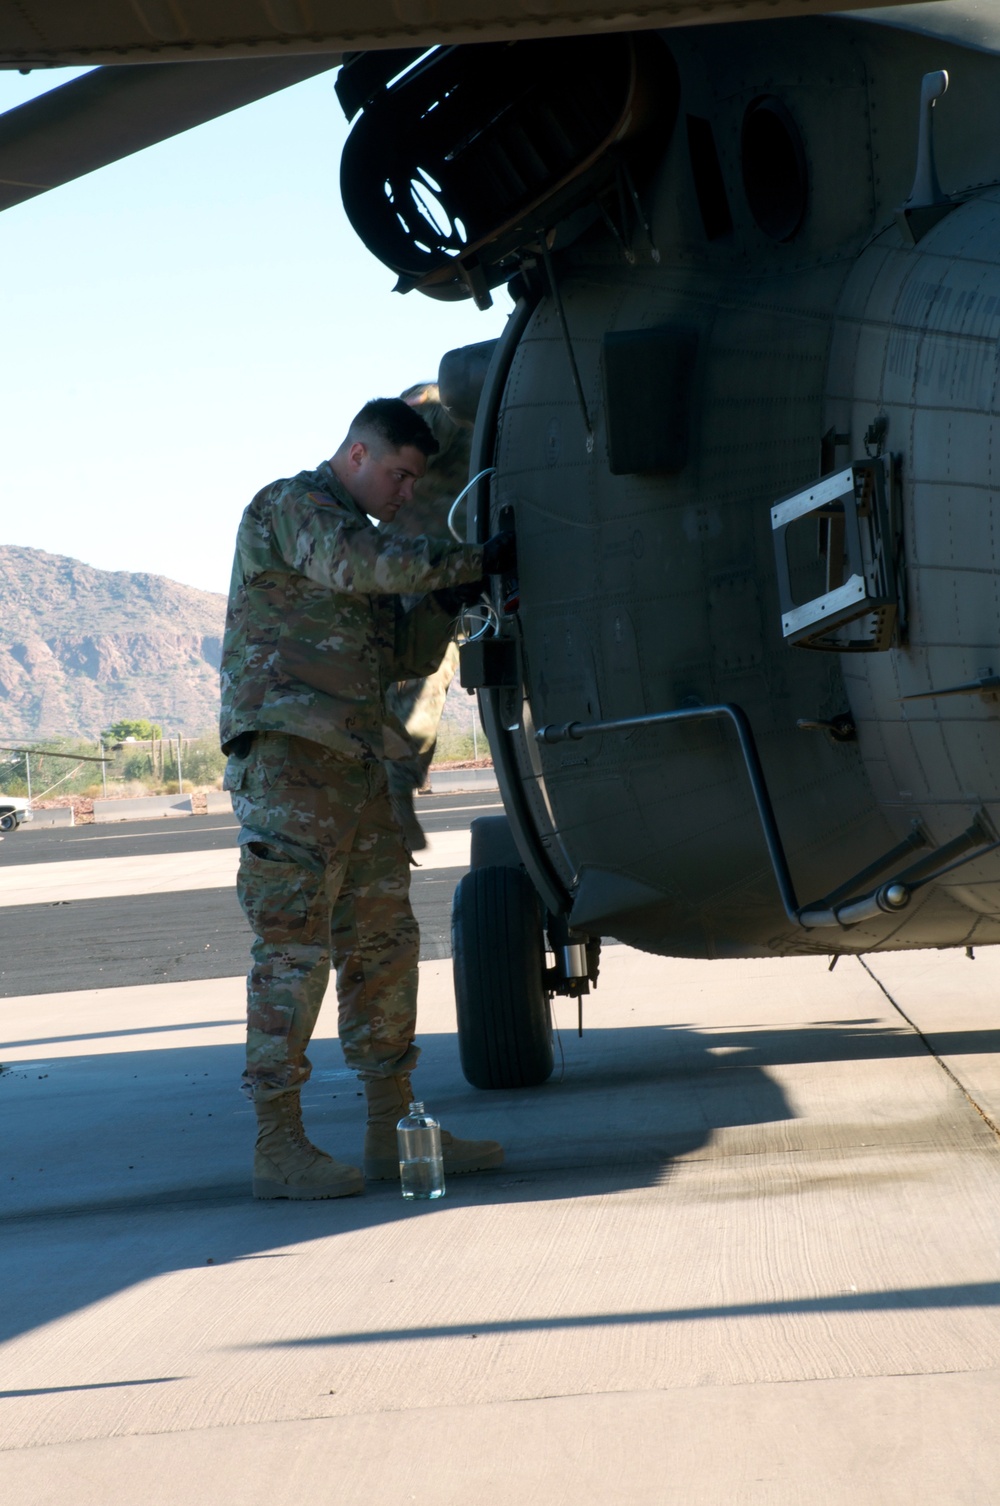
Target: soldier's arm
[(422, 636), (322, 541)]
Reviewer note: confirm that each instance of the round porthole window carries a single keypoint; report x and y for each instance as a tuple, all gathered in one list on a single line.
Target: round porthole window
[(774, 168)]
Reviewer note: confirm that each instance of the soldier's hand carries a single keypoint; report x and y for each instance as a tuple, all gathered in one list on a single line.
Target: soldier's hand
[(453, 598), (500, 553)]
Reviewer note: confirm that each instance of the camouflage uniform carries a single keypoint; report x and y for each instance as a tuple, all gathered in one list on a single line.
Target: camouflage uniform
[(316, 628), (418, 704)]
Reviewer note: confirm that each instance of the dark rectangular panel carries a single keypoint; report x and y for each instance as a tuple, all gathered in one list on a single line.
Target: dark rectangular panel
[(648, 376), (488, 663)]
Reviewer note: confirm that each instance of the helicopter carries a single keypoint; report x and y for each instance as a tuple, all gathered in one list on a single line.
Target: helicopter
[(741, 694)]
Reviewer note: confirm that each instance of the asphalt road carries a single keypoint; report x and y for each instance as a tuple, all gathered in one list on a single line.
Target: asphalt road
[(158, 938)]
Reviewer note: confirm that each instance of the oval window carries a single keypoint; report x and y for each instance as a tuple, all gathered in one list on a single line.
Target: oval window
[(774, 168)]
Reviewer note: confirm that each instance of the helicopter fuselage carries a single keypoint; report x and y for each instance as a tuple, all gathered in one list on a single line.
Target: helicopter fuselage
[(766, 294)]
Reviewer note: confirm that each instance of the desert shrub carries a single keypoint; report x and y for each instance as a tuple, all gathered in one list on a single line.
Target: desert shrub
[(202, 761), (137, 766), (455, 744)]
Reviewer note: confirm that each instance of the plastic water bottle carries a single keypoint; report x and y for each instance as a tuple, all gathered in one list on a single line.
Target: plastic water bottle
[(421, 1168)]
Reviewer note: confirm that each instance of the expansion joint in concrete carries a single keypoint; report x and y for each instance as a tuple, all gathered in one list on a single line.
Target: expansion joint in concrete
[(930, 1049)]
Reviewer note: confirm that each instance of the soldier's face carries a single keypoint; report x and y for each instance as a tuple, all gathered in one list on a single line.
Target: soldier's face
[(382, 484)]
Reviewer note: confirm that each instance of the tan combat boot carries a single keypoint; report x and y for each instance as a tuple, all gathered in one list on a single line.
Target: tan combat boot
[(286, 1164), (389, 1098)]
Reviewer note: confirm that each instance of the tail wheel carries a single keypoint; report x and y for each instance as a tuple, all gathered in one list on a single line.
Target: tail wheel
[(498, 954)]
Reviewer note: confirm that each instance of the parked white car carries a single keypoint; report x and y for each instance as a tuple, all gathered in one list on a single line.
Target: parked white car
[(13, 810)]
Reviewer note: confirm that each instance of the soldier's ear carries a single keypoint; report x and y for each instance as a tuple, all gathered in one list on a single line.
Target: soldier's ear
[(357, 454)]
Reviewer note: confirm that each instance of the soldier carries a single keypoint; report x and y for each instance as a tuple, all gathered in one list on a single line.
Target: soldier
[(324, 611), (419, 704)]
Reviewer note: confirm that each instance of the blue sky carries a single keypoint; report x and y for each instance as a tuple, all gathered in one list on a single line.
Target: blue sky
[(187, 324)]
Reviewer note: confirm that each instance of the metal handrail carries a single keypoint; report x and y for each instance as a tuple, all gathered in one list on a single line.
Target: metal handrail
[(888, 899)]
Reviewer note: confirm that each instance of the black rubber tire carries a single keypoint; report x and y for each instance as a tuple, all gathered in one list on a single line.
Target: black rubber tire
[(498, 955), (8, 823), (492, 844)]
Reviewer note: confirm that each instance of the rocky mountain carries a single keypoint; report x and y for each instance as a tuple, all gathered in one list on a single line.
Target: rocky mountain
[(81, 648)]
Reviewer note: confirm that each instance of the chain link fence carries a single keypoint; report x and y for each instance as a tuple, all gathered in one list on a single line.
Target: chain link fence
[(69, 770)]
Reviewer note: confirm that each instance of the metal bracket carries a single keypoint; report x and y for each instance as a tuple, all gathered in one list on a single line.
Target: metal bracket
[(855, 514)]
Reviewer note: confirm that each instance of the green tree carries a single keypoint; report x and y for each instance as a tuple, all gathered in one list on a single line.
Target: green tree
[(141, 730)]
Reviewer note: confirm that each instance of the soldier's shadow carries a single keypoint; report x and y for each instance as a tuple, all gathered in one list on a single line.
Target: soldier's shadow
[(623, 1109)]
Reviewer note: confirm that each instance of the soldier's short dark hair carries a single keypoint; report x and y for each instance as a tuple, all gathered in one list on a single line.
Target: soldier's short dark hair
[(387, 423)]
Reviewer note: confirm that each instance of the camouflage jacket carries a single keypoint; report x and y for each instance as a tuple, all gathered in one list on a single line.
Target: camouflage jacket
[(316, 627)]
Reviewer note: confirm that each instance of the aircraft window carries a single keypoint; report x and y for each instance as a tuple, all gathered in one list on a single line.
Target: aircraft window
[(775, 178), (708, 181)]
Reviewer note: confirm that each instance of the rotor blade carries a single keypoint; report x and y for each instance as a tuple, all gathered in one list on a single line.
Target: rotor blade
[(51, 753), (112, 112), (82, 32)]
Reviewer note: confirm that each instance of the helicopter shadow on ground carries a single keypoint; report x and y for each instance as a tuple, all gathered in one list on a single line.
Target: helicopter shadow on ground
[(123, 1167)]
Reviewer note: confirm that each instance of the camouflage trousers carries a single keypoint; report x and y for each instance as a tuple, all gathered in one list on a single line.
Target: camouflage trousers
[(324, 879)]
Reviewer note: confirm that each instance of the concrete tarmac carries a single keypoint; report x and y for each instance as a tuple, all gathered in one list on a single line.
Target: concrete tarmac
[(744, 1249)]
